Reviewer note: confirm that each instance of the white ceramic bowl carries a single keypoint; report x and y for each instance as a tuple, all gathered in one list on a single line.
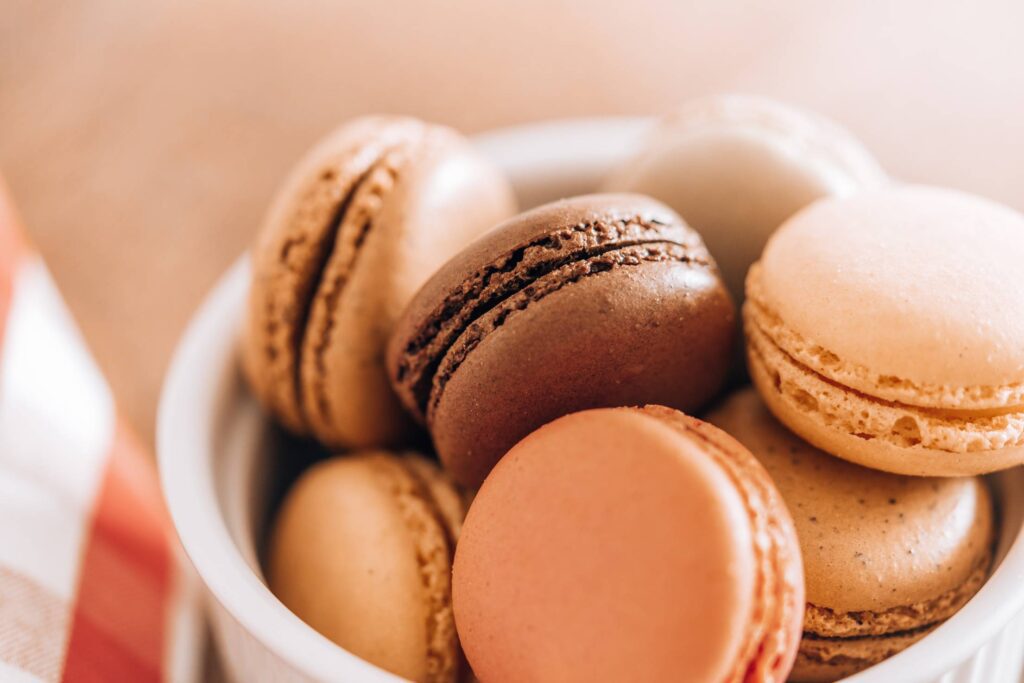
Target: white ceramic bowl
[(220, 472)]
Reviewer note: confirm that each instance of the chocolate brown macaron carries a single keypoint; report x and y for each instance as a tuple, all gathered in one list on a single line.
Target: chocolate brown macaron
[(596, 301), (359, 225), (887, 557)]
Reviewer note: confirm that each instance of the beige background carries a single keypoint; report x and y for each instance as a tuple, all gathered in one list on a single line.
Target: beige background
[(142, 139)]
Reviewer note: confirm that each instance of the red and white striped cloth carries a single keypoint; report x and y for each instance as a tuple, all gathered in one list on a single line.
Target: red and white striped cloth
[(91, 583)]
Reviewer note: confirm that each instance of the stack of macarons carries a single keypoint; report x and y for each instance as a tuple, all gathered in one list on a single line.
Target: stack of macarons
[(569, 520)]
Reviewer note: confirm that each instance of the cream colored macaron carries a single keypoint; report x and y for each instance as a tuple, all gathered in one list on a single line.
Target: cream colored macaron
[(736, 166), (886, 557), (888, 329), (362, 551), (362, 221)]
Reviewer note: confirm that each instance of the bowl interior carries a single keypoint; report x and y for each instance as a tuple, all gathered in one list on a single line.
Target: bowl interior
[(223, 469)]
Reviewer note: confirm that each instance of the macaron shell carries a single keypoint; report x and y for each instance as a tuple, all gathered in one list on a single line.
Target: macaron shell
[(774, 632), (436, 197), (897, 293), (736, 167), (591, 582), (871, 541), (660, 333), (360, 552)]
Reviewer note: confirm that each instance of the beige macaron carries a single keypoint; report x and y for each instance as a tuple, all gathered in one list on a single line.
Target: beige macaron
[(886, 557), (888, 328), (736, 166), (362, 221), (362, 551)]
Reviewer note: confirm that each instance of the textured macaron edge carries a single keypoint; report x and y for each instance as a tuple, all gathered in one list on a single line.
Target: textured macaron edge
[(816, 138), (295, 247), (827, 623), (445, 325), (567, 275), (425, 498), (847, 410), (773, 637), (357, 220), (805, 352), (822, 660)]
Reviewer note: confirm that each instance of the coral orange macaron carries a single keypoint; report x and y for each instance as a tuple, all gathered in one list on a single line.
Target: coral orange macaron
[(628, 544)]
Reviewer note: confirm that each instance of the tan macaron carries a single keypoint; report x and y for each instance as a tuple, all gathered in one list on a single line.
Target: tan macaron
[(887, 328), (886, 557), (362, 551), (361, 222)]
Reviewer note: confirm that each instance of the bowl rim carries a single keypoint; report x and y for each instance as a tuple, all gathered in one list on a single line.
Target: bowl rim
[(203, 368)]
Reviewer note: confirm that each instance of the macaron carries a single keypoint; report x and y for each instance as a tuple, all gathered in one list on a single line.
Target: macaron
[(628, 544), (736, 166), (887, 328), (886, 557), (361, 550), (595, 301), (357, 227)]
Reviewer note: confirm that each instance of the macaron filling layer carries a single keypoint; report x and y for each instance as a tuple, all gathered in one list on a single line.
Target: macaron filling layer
[(766, 646), (434, 538), (526, 274), (991, 424)]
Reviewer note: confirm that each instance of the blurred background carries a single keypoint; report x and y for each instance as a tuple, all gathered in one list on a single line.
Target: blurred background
[(142, 140)]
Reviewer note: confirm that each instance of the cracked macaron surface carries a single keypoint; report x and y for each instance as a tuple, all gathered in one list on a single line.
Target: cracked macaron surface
[(592, 301), (362, 551), (628, 544), (876, 334), (360, 223), (886, 557)]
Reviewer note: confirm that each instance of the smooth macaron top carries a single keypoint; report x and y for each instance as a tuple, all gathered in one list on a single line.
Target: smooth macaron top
[(899, 552), (736, 166), (613, 545), (362, 549), (909, 294), (442, 321), (359, 224)]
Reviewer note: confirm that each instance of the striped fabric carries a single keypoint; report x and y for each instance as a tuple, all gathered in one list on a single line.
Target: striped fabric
[(91, 586)]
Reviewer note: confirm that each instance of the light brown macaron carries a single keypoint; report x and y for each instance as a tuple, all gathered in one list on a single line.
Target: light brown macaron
[(886, 557), (362, 550), (357, 227), (594, 301)]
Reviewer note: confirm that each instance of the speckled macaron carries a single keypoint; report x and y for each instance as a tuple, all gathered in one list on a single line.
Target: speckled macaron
[(886, 557), (358, 226), (362, 549), (887, 328), (736, 166), (628, 544), (601, 300)]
